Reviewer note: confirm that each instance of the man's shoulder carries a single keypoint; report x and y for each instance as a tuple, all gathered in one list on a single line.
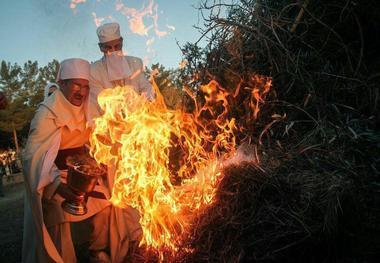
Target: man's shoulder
[(45, 111), (134, 60), (96, 63), (42, 114)]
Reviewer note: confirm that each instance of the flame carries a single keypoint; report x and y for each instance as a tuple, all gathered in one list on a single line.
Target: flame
[(143, 22), (166, 161), (135, 17), (74, 3), (99, 20), (183, 64), (158, 32)]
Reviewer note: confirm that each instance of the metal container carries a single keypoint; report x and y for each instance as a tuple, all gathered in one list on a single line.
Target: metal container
[(81, 182)]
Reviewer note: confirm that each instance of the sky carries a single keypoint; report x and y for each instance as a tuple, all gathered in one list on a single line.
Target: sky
[(44, 30)]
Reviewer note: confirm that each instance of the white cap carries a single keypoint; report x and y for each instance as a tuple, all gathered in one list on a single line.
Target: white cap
[(108, 32), (74, 68)]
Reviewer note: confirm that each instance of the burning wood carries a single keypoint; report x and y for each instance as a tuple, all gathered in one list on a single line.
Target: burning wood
[(86, 165)]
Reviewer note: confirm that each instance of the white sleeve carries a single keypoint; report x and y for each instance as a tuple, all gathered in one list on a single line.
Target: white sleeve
[(50, 189), (49, 172)]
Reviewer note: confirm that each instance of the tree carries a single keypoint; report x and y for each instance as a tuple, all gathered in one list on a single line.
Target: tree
[(12, 117), (24, 88), (166, 80), (46, 74)]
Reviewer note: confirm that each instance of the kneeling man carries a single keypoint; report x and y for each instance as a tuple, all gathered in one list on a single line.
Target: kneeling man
[(59, 129)]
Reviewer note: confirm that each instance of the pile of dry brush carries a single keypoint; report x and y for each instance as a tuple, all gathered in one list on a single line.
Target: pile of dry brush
[(318, 197)]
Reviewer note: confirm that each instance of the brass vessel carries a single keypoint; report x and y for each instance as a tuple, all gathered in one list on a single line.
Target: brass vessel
[(81, 182)]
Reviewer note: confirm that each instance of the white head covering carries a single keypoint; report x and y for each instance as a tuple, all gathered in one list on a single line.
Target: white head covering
[(47, 88), (108, 32), (74, 68)]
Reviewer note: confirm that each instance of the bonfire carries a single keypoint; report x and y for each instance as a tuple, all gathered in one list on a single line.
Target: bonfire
[(167, 163)]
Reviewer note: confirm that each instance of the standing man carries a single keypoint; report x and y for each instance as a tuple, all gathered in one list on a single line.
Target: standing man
[(59, 127), (112, 70)]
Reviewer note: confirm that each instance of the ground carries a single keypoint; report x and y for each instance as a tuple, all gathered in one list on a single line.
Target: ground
[(11, 223)]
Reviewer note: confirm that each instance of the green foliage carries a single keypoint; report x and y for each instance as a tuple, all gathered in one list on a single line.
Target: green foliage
[(167, 81), (24, 87)]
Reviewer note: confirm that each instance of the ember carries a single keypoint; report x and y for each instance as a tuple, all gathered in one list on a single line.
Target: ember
[(85, 164)]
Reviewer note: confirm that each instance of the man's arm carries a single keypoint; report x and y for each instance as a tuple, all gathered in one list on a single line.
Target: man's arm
[(42, 130), (41, 134), (96, 86)]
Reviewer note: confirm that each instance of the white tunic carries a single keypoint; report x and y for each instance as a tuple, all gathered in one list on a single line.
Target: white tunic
[(56, 125), (125, 226), (99, 81)]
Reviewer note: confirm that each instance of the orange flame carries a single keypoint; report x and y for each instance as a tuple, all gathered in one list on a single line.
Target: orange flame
[(74, 3), (183, 64), (135, 17), (166, 161), (99, 20)]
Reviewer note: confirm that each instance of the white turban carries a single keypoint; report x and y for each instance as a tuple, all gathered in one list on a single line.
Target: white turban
[(47, 88), (108, 32), (74, 68)]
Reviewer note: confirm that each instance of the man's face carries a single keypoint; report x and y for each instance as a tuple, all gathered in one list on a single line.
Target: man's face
[(75, 90), (111, 46)]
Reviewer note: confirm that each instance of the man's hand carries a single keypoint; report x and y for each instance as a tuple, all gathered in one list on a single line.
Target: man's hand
[(3, 101), (66, 192)]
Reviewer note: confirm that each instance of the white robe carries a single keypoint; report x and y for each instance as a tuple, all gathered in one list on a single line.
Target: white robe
[(56, 125), (125, 226), (99, 81)]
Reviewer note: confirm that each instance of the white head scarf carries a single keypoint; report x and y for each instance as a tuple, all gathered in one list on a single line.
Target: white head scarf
[(47, 88), (74, 68)]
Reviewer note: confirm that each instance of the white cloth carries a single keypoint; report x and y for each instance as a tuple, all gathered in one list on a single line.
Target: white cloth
[(53, 127), (108, 32), (125, 226), (117, 66), (47, 88), (74, 68), (99, 80)]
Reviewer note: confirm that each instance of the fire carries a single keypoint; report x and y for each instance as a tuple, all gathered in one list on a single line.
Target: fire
[(166, 161), (74, 3), (136, 17), (99, 20)]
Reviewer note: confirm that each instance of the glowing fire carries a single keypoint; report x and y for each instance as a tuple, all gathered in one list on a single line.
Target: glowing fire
[(166, 161), (74, 3)]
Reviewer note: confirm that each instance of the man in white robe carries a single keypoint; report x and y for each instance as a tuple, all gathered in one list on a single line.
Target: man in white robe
[(115, 69), (112, 70), (59, 126)]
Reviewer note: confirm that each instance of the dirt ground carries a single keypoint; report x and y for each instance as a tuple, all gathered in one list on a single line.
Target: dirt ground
[(11, 223), (11, 226)]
